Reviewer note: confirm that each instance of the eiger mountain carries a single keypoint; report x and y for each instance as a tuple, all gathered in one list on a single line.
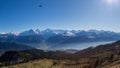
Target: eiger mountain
[(51, 37)]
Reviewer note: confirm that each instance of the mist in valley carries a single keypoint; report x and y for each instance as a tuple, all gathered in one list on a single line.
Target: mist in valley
[(76, 46)]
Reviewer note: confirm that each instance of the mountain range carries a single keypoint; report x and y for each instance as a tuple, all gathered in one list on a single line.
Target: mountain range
[(54, 38)]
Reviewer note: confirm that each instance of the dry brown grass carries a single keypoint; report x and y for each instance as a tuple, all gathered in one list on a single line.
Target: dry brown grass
[(45, 63)]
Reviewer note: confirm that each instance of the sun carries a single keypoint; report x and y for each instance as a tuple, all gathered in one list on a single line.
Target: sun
[(111, 2)]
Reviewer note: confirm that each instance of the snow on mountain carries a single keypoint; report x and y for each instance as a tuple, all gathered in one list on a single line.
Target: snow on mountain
[(2, 33), (49, 36), (6, 35), (37, 31), (69, 33), (13, 33), (60, 31), (51, 32), (27, 33)]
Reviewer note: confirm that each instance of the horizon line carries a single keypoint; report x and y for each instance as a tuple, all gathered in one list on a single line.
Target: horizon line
[(60, 29)]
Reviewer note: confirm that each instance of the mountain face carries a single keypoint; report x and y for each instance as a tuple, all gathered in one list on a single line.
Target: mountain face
[(28, 33), (5, 46), (54, 37), (13, 46)]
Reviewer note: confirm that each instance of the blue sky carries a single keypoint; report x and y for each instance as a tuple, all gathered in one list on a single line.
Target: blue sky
[(20, 15)]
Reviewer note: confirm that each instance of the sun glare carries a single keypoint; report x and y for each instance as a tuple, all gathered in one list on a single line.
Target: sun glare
[(111, 2)]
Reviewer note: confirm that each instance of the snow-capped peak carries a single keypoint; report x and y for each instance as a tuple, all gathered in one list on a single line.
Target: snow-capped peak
[(27, 33), (69, 33), (13, 33), (37, 31), (2, 33)]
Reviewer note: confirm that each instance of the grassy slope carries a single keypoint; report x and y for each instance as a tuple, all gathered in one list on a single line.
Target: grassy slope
[(45, 63), (33, 64)]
